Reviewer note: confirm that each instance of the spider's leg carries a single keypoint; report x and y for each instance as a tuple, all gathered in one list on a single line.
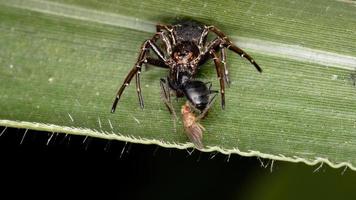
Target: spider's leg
[(138, 88), (220, 73), (136, 70), (168, 28), (127, 81), (205, 55), (122, 88), (234, 48), (203, 58), (162, 35), (152, 61), (156, 50), (243, 54), (160, 27), (156, 62), (226, 72), (203, 37)]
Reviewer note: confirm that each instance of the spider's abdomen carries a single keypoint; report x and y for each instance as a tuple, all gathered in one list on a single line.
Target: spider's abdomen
[(197, 93), (188, 31)]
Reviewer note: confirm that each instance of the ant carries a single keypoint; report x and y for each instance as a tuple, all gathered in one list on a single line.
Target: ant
[(185, 50)]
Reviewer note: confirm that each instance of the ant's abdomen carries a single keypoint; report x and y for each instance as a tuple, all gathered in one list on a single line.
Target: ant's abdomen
[(197, 93)]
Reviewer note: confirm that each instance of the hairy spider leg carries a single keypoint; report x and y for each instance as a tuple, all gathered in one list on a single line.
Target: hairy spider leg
[(160, 27), (136, 70), (158, 52), (203, 37), (232, 47), (169, 28), (138, 87), (220, 73), (168, 47), (205, 55), (156, 62), (245, 55), (205, 52), (226, 72), (166, 41)]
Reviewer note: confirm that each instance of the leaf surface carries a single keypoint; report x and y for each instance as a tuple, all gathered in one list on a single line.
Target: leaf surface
[(62, 61)]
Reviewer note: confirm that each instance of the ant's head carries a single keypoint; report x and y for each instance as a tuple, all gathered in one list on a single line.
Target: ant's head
[(185, 52)]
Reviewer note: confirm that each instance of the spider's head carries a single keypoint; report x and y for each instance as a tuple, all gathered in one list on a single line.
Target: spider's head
[(185, 52)]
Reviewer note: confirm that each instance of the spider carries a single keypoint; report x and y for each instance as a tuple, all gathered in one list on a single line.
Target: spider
[(185, 50)]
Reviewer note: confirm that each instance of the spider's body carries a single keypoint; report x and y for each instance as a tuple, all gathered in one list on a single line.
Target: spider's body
[(185, 49), (184, 62)]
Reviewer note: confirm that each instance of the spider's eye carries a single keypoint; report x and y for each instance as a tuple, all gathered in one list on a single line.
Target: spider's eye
[(183, 57), (185, 52)]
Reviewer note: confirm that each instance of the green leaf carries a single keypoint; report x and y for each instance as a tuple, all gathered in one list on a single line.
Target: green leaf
[(62, 61)]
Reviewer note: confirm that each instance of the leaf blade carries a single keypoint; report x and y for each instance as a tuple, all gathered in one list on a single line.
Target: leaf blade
[(61, 70)]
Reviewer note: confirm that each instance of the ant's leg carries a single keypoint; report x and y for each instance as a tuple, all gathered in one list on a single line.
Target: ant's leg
[(220, 73), (226, 72), (165, 93), (209, 84), (205, 111), (209, 87), (167, 97), (135, 70), (232, 47)]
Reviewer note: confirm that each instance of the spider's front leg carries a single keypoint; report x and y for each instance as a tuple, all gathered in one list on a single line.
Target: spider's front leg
[(220, 72), (216, 45), (169, 29), (226, 71), (160, 27), (228, 44), (136, 70)]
